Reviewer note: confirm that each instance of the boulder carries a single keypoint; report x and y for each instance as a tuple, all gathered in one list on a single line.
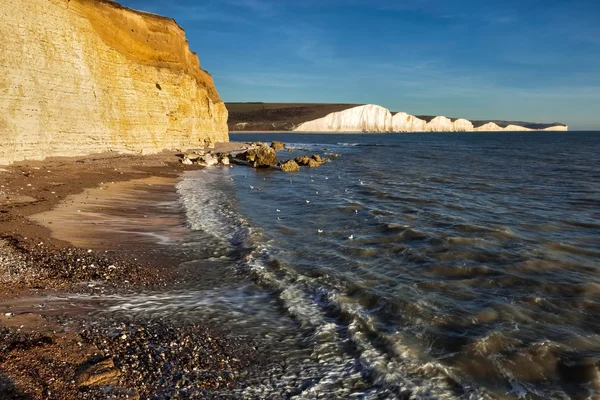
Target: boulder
[(318, 158), (289, 166), (208, 160), (277, 145), (225, 160), (302, 160), (312, 163), (186, 161), (261, 156)]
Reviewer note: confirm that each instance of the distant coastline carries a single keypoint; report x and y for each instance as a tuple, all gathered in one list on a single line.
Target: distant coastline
[(359, 118)]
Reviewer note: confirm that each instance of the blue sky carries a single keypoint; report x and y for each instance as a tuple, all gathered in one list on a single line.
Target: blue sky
[(534, 60)]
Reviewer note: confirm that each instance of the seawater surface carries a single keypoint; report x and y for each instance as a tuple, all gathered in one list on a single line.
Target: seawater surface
[(442, 266)]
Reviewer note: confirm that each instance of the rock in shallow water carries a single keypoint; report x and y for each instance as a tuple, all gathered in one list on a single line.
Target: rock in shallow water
[(289, 166), (261, 156), (277, 145), (302, 160), (312, 163)]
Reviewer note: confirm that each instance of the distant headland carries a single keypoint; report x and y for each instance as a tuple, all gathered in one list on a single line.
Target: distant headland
[(322, 117)]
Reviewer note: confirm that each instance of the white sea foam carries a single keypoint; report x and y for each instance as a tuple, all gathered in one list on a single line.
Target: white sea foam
[(329, 367)]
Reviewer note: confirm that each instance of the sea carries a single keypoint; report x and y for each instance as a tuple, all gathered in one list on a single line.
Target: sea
[(412, 266)]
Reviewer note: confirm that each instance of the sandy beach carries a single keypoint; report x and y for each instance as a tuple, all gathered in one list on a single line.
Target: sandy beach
[(88, 226)]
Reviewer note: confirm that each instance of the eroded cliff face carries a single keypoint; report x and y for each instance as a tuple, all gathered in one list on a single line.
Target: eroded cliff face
[(367, 118), (85, 76), (462, 125), (489, 127), (374, 118), (440, 124), (403, 122)]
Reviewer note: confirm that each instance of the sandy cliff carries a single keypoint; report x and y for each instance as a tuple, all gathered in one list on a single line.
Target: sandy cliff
[(84, 76), (367, 118)]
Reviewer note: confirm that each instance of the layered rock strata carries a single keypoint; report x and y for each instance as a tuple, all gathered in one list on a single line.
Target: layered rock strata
[(373, 118), (86, 76)]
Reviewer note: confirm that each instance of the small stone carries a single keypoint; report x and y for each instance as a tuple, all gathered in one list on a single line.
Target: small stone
[(100, 373)]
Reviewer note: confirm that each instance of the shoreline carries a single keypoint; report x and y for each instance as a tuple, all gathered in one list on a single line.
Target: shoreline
[(50, 247)]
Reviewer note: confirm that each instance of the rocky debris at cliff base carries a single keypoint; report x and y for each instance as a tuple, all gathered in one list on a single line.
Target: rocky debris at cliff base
[(289, 166), (205, 159), (277, 145), (208, 160), (259, 156)]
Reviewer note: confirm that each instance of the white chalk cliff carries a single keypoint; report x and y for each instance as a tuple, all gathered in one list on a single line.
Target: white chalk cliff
[(367, 118), (403, 122), (462, 125), (374, 118), (440, 124), (489, 127)]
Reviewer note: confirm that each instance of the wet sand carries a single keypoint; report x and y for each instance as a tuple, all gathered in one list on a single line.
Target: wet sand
[(90, 226)]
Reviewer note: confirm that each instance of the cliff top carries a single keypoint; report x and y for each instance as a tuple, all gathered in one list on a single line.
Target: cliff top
[(146, 38)]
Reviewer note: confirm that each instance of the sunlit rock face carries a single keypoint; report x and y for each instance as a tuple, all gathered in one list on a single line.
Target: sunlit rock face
[(558, 128), (440, 124), (367, 118), (489, 127), (86, 76), (462, 125), (373, 118), (516, 128), (403, 122)]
